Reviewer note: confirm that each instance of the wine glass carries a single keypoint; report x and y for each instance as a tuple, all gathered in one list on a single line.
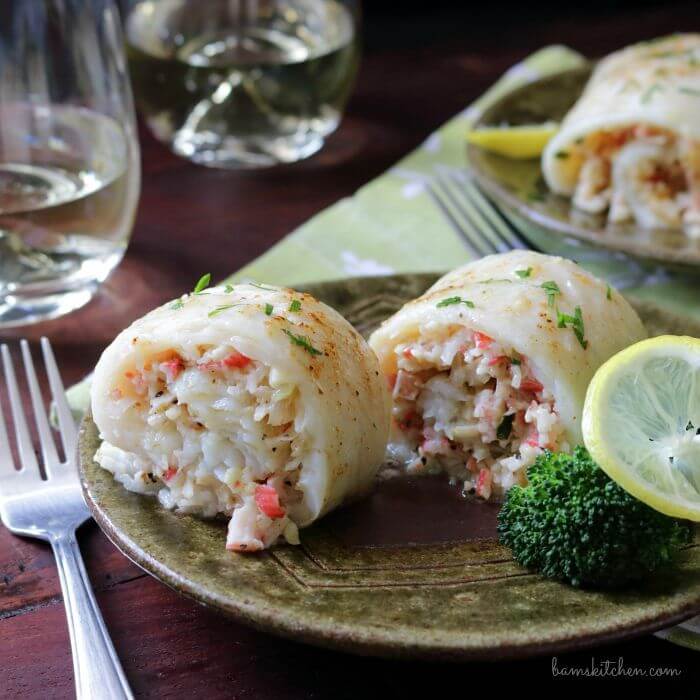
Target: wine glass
[(242, 83), (69, 156)]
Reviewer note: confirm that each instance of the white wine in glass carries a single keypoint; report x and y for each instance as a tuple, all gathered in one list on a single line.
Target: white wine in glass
[(242, 83), (69, 158)]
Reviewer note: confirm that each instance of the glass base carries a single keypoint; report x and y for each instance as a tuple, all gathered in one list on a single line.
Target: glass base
[(40, 284), (236, 153), (23, 310)]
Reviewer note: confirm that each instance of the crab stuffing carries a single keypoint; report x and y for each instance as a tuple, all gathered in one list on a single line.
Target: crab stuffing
[(203, 415), (471, 407)]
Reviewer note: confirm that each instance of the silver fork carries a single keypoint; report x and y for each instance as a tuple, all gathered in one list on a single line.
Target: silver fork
[(485, 230), (51, 509), (480, 225)]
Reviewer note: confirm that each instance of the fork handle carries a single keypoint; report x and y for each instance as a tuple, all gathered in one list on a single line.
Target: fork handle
[(98, 673)]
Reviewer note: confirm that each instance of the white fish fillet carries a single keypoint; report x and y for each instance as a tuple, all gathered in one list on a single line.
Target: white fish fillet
[(308, 383), (515, 311), (654, 85)]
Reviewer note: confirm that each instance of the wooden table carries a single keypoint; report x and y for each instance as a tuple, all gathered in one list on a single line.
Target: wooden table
[(193, 220)]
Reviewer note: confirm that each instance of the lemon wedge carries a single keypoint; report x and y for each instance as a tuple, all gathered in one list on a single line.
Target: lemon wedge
[(641, 423), (523, 141)]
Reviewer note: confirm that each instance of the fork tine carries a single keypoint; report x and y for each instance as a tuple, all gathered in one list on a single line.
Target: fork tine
[(472, 216), (69, 434), (503, 226), (7, 464), (48, 448), (460, 184), (25, 448), (447, 214), (444, 200), (505, 240)]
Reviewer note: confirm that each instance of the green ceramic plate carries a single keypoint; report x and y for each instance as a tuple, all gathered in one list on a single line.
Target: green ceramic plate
[(413, 570), (519, 186)]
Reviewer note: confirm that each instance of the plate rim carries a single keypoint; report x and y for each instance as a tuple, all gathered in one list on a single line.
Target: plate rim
[(593, 236), (355, 637)]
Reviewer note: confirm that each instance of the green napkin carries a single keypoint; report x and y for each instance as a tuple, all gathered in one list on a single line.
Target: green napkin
[(391, 225)]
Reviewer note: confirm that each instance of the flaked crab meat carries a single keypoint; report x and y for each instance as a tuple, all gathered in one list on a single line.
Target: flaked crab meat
[(466, 405), (257, 403), (641, 178), (193, 461), (630, 146), (490, 366)]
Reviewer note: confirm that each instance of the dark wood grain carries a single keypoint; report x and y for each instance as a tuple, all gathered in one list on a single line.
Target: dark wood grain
[(417, 72)]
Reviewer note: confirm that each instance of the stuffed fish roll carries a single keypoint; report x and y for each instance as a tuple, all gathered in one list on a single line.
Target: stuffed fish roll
[(490, 366), (255, 402), (630, 146)]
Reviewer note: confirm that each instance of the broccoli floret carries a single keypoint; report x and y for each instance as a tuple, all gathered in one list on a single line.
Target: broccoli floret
[(573, 523)]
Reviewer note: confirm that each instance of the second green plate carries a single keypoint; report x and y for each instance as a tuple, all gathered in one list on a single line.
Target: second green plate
[(519, 186)]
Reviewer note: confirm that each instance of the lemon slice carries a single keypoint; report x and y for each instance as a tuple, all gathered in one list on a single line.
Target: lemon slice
[(641, 423), (523, 141)]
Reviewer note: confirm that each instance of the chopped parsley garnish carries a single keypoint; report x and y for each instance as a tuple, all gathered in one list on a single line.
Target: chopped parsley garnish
[(220, 309), (268, 309), (515, 361), (671, 54), (504, 429), (302, 341), (228, 288), (262, 286), (632, 83), (455, 300), (551, 289), (295, 306), (202, 284), (608, 293), (524, 273), (562, 155), (574, 322), (689, 91), (649, 93)]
